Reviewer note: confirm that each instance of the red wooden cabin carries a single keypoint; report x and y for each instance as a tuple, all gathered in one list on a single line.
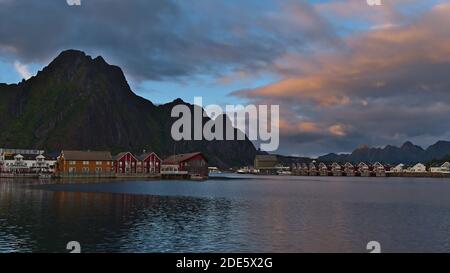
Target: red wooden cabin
[(125, 163), (150, 163)]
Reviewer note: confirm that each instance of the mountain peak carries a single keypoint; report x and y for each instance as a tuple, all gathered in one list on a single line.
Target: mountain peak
[(99, 59), (178, 101), (69, 56), (409, 145), (73, 58), (72, 53)]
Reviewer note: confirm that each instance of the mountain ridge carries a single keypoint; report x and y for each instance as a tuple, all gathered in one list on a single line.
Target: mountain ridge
[(80, 102), (407, 153)]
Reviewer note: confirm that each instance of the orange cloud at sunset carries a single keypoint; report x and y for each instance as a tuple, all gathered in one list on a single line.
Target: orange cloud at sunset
[(382, 80)]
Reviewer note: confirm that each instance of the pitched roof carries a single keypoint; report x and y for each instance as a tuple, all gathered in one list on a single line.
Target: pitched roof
[(122, 154), (176, 159), (87, 155), (23, 156), (145, 155)]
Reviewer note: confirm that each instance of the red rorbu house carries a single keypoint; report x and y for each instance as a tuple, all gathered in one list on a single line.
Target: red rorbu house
[(192, 165), (125, 164), (149, 163)]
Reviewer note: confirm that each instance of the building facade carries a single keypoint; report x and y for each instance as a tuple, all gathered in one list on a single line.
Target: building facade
[(27, 163), (192, 164), (85, 163), (419, 168), (444, 168), (150, 163), (126, 164), (266, 164)]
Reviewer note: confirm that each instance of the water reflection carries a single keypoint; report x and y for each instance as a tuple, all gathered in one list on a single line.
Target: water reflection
[(264, 214), (44, 221)]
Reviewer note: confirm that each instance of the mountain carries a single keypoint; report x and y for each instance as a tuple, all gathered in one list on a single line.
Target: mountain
[(78, 102), (407, 153)]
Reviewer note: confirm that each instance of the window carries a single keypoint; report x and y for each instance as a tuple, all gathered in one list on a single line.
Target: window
[(72, 162), (85, 162), (98, 170), (98, 163), (72, 170), (85, 170)]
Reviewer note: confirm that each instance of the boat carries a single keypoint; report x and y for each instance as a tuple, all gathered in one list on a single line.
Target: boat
[(45, 176), (197, 177), (213, 170), (284, 173)]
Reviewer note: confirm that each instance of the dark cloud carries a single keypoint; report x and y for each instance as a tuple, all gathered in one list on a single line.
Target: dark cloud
[(161, 39)]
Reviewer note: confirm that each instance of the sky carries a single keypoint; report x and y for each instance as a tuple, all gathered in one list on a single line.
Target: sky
[(343, 72)]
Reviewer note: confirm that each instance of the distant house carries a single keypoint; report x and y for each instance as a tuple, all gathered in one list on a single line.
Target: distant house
[(85, 163), (125, 163), (336, 169), (419, 168), (440, 168), (399, 168), (27, 163), (304, 169), (192, 164), (349, 169), (445, 167), (294, 168), (17, 163), (379, 169), (323, 169), (364, 169), (150, 163), (435, 168), (22, 161), (312, 170)]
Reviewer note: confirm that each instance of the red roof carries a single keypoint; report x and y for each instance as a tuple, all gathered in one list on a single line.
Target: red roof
[(120, 155), (176, 159), (144, 156)]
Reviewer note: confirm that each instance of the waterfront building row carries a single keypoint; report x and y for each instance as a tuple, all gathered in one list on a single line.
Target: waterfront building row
[(72, 163), (349, 169)]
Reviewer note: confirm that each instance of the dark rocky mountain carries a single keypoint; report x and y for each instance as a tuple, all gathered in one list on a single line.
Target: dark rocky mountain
[(407, 153), (77, 102), (289, 160)]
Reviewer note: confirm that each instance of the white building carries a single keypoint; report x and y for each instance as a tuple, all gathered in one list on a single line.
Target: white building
[(444, 168), (27, 163), (399, 168), (419, 168)]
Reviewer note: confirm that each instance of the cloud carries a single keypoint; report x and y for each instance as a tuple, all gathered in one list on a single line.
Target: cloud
[(22, 70), (385, 86), (347, 73), (73, 2), (164, 39)]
